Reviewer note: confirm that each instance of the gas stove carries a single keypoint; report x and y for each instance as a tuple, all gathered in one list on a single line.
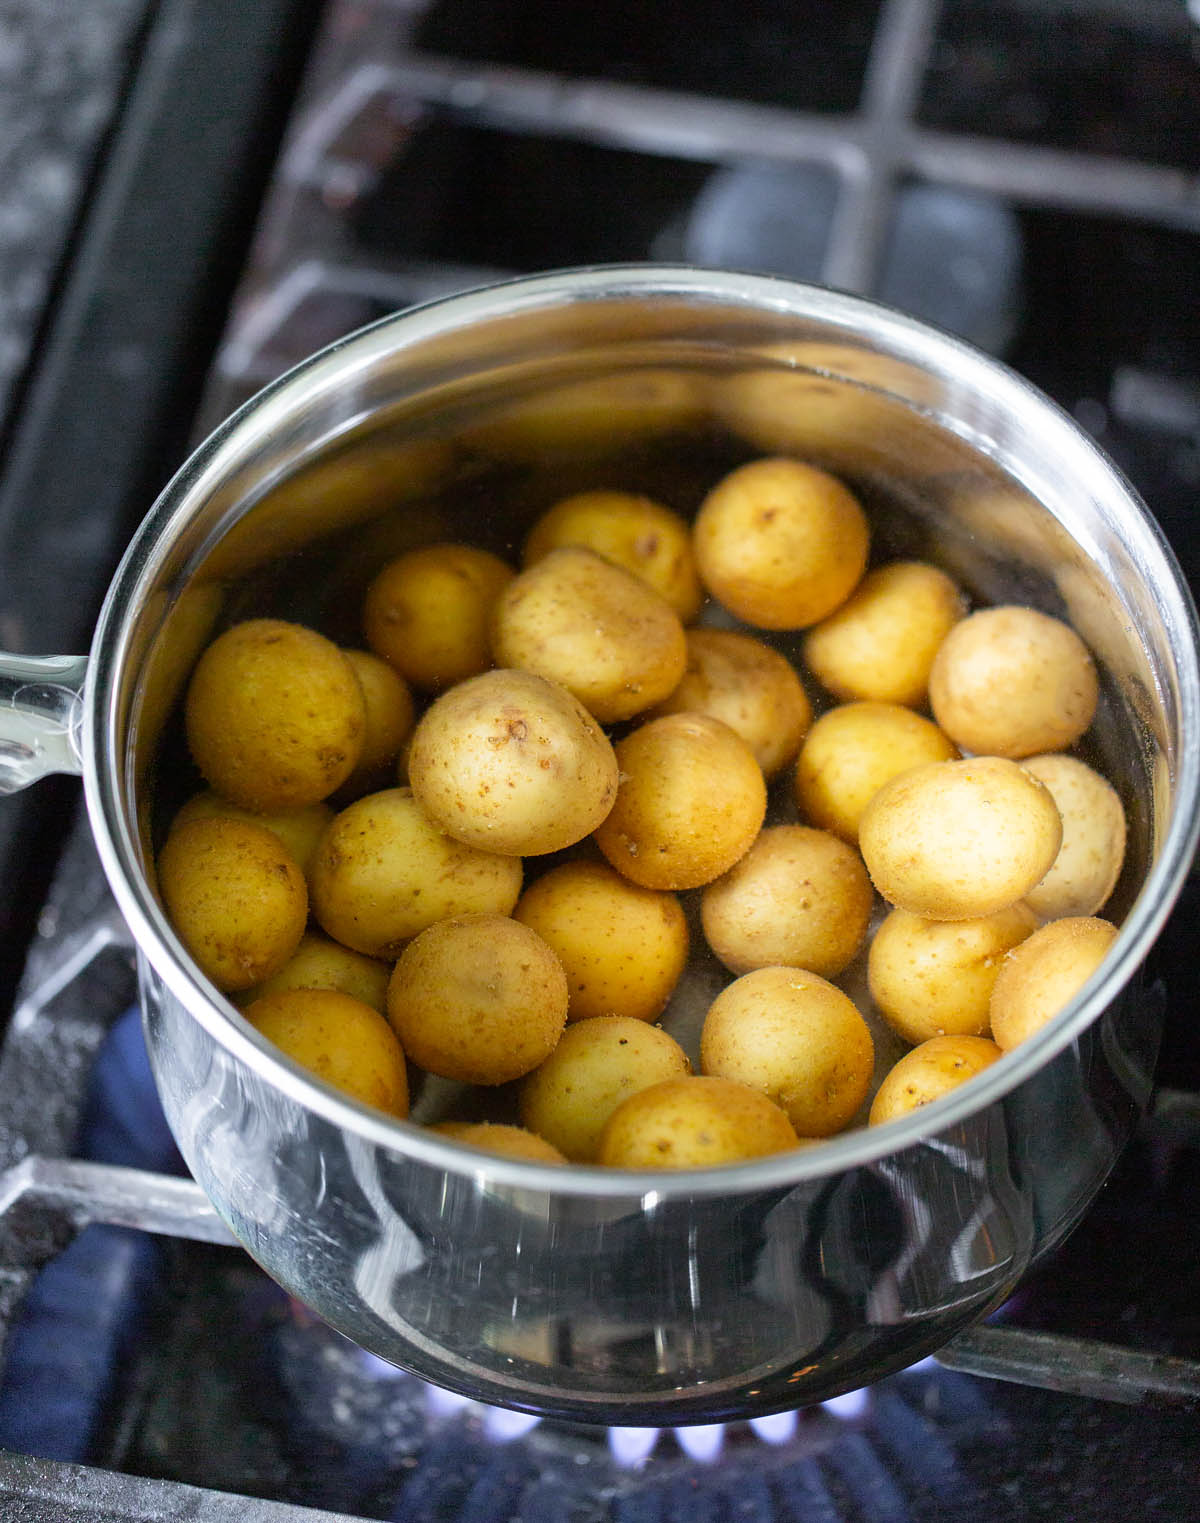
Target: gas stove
[(1022, 173)]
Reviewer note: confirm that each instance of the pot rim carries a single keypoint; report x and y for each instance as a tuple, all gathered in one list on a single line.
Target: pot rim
[(904, 337)]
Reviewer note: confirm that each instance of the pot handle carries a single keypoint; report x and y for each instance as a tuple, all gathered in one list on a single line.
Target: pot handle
[(41, 711)]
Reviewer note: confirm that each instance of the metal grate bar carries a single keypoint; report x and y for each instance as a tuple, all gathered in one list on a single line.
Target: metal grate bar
[(1075, 1366), (697, 127)]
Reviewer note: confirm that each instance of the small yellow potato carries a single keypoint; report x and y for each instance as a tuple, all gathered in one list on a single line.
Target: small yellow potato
[(383, 871), (320, 963), (478, 998), (647, 538), (501, 1137), (1045, 973), (426, 612), (235, 896), (693, 1122), (1090, 858), (691, 801), (851, 751), (389, 714), (799, 898), (1011, 681), (780, 544), (934, 977), (513, 763), (955, 840), (299, 829), (595, 628), (928, 1072), (340, 1040), (748, 686), (798, 1039), (590, 416), (622, 946), (880, 644), (597, 1064), (275, 715)]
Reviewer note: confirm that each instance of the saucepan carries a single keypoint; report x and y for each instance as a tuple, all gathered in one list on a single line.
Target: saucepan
[(646, 1297)]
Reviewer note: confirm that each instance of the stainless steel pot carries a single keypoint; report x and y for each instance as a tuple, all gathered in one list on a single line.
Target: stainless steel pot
[(639, 1298)]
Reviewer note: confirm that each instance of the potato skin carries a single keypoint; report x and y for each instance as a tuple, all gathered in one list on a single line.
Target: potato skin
[(383, 871), (638, 533), (799, 898), (928, 1072), (597, 1064), (235, 896), (321, 963), (1092, 853), (299, 829), (513, 763), (1044, 973), (881, 643), (780, 544), (340, 1040), (693, 1122), (851, 751), (622, 946), (478, 998), (593, 627), (691, 801), (389, 714), (750, 687), (426, 613), (275, 716), (798, 1039), (500, 1137), (955, 840), (1012, 681), (934, 977)]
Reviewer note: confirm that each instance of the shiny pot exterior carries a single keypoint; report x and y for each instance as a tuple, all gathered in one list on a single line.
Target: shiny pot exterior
[(655, 1297)]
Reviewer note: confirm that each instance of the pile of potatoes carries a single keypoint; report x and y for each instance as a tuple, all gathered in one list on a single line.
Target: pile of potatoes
[(483, 848)]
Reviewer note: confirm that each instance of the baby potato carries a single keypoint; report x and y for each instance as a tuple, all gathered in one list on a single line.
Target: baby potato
[(648, 539), (574, 418), (691, 801), (780, 544), (748, 686), (796, 1038), (500, 1137), (478, 998), (513, 763), (299, 829), (389, 714), (799, 898), (1090, 858), (880, 644), (275, 716), (693, 1122), (928, 1072), (426, 612), (851, 751), (383, 871), (593, 627), (320, 963), (622, 946), (955, 840), (597, 1064), (340, 1040), (235, 896), (1045, 973), (934, 977), (1012, 681)]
